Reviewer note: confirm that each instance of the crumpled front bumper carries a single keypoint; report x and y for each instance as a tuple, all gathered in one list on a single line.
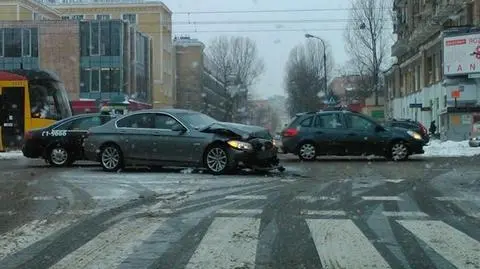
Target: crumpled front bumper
[(265, 159)]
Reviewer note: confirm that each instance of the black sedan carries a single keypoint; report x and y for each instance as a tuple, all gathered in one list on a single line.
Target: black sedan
[(60, 144), (179, 138)]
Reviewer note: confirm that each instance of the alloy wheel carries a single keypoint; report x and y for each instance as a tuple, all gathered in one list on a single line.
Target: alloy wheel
[(110, 158), (217, 160)]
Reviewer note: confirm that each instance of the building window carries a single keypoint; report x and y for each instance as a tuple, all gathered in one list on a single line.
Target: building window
[(1, 43), (12, 42), (65, 17), (131, 18), (85, 80), (103, 17), (140, 49), (95, 38), (95, 79), (77, 17), (26, 43), (100, 80)]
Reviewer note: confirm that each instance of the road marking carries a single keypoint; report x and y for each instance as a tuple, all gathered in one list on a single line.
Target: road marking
[(394, 180), (228, 243), (7, 213), (47, 198), (240, 211), (382, 198), (341, 244), (404, 214), (323, 212), (246, 197), (112, 246), (27, 234), (119, 197), (456, 247), (457, 199), (312, 198)]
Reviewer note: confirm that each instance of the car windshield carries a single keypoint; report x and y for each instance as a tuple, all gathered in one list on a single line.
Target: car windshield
[(198, 120)]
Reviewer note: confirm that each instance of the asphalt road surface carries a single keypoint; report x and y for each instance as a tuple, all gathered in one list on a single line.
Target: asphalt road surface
[(332, 213)]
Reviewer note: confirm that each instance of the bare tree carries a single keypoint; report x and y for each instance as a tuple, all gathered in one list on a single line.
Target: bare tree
[(236, 61), (304, 78), (367, 41)]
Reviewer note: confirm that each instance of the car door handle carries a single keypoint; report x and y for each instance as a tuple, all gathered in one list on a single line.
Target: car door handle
[(352, 134)]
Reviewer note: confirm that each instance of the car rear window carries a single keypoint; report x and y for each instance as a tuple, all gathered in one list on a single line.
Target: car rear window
[(302, 121)]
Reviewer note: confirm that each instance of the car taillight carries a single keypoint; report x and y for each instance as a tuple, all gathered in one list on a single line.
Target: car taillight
[(290, 132), (28, 135)]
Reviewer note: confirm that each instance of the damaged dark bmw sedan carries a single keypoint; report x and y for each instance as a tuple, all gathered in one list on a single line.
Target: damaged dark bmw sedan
[(180, 138)]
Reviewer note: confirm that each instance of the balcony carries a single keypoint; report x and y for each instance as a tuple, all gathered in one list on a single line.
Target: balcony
[(431, 22), (400, 47)]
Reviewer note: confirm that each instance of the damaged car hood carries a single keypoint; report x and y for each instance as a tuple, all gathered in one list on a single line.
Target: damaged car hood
[(243, 130)]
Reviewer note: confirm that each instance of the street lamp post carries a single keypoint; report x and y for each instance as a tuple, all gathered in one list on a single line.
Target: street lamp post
[(324, 58)]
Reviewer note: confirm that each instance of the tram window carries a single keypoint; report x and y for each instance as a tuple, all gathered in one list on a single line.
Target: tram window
[(47, 101)]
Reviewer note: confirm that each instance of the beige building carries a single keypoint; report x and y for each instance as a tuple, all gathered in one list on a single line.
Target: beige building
[(197, 88), (153, 19)]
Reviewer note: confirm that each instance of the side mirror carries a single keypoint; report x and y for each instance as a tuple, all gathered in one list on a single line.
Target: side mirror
[(178, 128), (379, 128)]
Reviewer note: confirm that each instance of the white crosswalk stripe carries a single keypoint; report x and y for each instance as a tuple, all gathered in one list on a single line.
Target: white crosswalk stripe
[(456, 247), (341, 244), (110, 248), (228, 243)]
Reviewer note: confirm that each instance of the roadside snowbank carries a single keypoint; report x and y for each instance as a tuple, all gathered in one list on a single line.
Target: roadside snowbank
[(437, 148), (11, 155)]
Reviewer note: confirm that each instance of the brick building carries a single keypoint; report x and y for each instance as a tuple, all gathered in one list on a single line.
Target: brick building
[(197, 88)]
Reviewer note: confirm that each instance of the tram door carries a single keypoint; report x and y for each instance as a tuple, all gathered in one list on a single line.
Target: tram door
[(12, 116)]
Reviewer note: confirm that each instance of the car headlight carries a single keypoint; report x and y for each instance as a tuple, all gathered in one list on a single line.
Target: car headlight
[(240, 145), (473, 138), (415, 135)]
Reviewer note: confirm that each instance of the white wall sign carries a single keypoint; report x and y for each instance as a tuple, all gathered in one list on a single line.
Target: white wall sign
[(461, 54)]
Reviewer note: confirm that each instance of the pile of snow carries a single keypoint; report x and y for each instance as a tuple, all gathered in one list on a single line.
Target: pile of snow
[(11, 155), (437, 148)]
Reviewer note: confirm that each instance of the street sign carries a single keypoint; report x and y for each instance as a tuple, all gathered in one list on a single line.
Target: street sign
[(413, 105), (427, 108), (456, 94)]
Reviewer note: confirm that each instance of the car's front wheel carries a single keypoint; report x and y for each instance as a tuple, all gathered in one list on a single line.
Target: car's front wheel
[(398, 151), (218, 160), (111, 158)]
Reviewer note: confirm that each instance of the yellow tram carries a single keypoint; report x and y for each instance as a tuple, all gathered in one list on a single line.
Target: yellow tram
[(29, 99)]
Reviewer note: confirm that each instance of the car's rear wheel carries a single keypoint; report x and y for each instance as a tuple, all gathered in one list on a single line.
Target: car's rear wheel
[(58, 156), (307, 151), (111, 158), (218, 160), (398, 151)]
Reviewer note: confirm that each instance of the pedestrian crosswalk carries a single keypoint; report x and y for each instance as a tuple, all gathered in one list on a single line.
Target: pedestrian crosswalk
[(233, 234)]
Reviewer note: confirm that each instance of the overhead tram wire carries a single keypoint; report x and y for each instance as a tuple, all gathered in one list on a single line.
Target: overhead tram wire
[(269, 11)]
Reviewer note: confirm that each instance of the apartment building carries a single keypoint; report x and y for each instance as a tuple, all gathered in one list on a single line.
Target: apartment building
[(420, 85), (197, 88)]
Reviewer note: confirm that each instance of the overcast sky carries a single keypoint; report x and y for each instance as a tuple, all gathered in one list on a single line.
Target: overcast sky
[(273, 39)]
